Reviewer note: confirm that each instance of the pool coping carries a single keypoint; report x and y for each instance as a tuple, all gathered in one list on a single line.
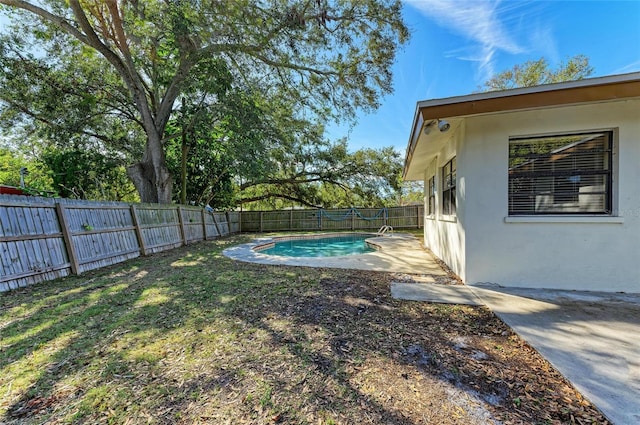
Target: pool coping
[(400, 252)]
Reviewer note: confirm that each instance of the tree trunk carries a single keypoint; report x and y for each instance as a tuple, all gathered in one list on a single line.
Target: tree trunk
[(183, 169), (151, 176)]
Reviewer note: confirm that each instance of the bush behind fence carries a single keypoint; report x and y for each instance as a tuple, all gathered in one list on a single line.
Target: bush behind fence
[(43, 239)]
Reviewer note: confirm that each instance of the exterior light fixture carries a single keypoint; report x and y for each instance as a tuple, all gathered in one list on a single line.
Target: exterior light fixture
[(427, 127), (443, 126)]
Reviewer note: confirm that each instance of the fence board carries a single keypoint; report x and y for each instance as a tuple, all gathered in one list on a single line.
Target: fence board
[(192, 224), (68, 241), (160, 228), (251, 221), (212, 225), (221, 219), (333, 219), (101, 249), (42, 239), (234, 218)]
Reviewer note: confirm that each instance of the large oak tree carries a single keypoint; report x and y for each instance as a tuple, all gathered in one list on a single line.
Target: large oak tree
[(330, 58)]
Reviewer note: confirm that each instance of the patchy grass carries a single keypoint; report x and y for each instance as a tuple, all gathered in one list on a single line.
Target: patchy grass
[(189, 336)]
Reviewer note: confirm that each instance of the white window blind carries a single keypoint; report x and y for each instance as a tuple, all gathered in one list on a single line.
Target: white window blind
[(564, 174)]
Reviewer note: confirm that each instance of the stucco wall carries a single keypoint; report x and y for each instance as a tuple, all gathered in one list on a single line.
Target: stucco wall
[(444, 235), (588, 253)]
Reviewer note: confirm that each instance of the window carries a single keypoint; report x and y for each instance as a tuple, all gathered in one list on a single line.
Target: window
[(564, 174), (449, 188), (432, 196)]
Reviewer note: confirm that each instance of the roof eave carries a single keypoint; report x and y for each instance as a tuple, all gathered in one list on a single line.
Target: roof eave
[(591, 90)]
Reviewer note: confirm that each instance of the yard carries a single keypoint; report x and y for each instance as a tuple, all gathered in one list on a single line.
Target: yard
[(189, 336)]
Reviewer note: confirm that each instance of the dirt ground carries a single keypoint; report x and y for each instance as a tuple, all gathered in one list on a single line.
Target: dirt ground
[(189, 336), (455, 361)]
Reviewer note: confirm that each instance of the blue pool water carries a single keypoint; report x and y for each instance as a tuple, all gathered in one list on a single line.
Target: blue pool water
[(330, 246)]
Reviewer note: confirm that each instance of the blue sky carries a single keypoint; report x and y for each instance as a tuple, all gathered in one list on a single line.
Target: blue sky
[(456, 45)]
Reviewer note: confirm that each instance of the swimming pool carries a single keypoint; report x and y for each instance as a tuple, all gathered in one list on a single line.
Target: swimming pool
[(318, 246), (401, 253)]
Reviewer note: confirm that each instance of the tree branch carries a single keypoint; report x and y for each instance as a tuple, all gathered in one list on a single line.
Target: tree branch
[(173, 91), (291, 181), (53, 125), (281, 196), (45, 14), (293, 66), (92, 40)]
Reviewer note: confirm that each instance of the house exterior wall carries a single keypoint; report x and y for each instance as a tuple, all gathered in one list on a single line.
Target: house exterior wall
[(568, 252), (444, 235)]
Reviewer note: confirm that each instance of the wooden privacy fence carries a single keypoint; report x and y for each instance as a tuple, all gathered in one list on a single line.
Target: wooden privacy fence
[(43, 239), (408, 217)]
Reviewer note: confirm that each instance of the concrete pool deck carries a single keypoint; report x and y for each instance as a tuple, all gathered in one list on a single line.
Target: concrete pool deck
[(400, 253)]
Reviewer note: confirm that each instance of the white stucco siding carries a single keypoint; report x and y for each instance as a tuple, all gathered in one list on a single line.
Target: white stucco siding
[(443, 235), (446, 240), (588, 253)]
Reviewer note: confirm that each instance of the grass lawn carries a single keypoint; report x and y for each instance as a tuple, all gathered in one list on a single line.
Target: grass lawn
[(189, 336)]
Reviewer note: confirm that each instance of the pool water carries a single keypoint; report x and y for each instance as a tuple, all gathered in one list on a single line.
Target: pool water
[(330, 246)]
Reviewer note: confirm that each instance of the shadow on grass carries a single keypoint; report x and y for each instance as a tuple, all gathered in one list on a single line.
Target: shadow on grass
[(190, 336)]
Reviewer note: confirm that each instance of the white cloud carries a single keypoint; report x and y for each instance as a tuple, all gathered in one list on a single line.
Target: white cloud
[(544, 41), (476, 20), (631, 67)]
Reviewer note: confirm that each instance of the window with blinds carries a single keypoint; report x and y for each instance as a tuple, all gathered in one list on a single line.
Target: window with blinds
[(449, 188), (564, 174)]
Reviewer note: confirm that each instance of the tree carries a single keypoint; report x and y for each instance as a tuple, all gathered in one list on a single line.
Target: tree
[(38, 181), (330, 58), (325, 175), (251, 150), (411, 193), (215, 145), (534, 73), (87, 174), (78, 172)]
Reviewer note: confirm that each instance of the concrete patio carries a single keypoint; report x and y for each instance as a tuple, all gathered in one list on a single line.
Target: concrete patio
[(591, 338)]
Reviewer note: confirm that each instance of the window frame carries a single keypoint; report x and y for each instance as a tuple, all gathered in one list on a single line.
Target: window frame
[(559, 178), (431, 198), (449, 183)]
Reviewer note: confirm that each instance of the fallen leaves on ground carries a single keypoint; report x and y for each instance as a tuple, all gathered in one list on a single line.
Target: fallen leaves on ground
[(222, 342)]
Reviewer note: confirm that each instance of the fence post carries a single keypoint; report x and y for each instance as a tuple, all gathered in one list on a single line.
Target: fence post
[(226, 214), (204, 224), (320, 219), (353, 218), (385, 214), (215, 222), (136, 225), (68, 241), (261, 212), (291, 219), (182, 232)]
